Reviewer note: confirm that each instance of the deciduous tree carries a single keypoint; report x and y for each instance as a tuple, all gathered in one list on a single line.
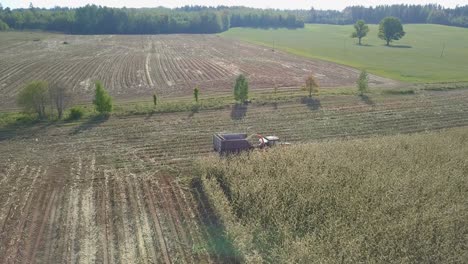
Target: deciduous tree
[(312, 85), (241, 89), (360, 30), (196, 93), (60, 97), (155, 99), (391, 29), (34, 97)]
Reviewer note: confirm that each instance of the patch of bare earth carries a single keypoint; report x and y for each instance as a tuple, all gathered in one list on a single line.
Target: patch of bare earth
[(172, 65)]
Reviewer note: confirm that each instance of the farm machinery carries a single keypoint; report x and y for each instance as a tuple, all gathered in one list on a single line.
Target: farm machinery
[(239, 142)]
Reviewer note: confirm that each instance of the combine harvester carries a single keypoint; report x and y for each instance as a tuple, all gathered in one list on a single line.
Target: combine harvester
[(239, 142)]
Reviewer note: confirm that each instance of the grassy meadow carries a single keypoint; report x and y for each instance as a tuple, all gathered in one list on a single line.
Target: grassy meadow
[(397, 199), (415, 58)]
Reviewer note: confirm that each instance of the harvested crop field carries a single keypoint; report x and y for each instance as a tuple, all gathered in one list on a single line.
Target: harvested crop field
[(122, 190), (133, 67)]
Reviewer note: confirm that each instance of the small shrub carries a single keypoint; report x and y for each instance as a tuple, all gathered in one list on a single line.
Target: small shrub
[(196, 93), (363, 82), (17, 119), (102, 100), (241, 89), (76, 113)]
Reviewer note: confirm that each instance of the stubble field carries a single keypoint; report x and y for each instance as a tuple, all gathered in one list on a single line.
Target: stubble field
[(122, 190), (134, 67)]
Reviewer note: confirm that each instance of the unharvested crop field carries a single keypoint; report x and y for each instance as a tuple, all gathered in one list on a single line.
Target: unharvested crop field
[(134, 67), (122, 190), (396, 199), (428, 53)]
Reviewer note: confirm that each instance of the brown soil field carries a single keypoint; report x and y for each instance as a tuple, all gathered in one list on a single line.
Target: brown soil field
[(133, 67), (122, 190)]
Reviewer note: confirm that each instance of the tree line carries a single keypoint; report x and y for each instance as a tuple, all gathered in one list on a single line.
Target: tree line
[(408, 14), (92, 19)]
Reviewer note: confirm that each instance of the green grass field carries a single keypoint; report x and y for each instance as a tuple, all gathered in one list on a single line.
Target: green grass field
[(415, 58)]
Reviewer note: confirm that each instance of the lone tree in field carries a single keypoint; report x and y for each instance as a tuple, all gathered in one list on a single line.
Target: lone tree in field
[(360, 30), (102, 100), (241, 89), (196, 93), (312, 85), (35, 98), (155, 99), (60, 97), (363, 82), (391, 29)]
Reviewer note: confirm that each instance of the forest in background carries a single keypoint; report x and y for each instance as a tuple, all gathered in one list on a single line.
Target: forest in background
[(409, 14), (92, 19)]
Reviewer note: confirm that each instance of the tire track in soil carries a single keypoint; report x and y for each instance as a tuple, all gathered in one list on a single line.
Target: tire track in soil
[(87, 227), (6, 204), (174, 245), (13, 241), (194, 224), (187, 223), (150, 199), (140, 246), (31, 225), (127, 248), (51, 243), (105, 220), (173, 213), (19, 220), (148, 70), (72, 214), (145, 231), (116, 237), (45, 219)]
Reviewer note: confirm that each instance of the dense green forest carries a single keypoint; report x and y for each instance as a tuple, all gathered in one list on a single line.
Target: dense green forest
[(409, 14), (93, 19)]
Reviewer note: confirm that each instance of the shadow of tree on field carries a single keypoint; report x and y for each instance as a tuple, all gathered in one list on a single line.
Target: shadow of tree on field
[(90, 124), (194, 110), (150, 115), (366, 99), (239, 111), (312, 103), (275, 105), (222, 245), (400, 46), (24, 130)]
